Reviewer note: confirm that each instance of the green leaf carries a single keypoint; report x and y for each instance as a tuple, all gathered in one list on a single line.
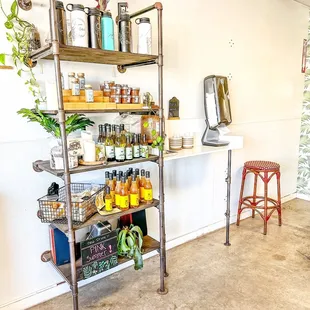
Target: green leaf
[(8, 25), (145, 124), (19, 72), (9, 37), (14, 8), (159, 139), (154, 132), (2, 59)]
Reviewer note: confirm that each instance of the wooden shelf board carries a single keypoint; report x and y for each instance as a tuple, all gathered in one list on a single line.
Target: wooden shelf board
[(45, 165), (92, 55), (55, 112), (101, 218), (149, 245)]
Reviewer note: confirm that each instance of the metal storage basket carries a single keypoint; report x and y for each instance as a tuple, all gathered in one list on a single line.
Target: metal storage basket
[(52, 209)]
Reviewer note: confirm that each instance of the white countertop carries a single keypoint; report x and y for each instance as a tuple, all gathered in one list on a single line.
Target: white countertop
[(236, 142)]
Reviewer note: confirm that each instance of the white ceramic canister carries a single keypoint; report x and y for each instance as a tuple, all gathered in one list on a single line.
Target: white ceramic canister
[(144, 35), (79, 25)]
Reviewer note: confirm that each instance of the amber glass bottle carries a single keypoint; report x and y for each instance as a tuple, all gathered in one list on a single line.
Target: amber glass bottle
[(107, 177), (148, 189), (114, 172), (117, 190), (134, 193), (142, 183), (108, 200), (124, 201), (112, 187)]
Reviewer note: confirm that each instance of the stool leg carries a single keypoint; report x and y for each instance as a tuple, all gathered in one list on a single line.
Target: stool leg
[(265, 201), (279, 207), (241, 195), (254, 194)]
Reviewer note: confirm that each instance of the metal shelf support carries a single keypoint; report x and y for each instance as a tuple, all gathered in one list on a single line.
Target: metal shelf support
[(227, 213)]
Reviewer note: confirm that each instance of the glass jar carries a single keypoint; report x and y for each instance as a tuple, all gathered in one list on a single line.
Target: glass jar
[(106, 92), (81, 77), (75, 87), (135, 99), (71, 77), (117, 99), (124, 91), (125, 99), (89, 93), (135, 91)]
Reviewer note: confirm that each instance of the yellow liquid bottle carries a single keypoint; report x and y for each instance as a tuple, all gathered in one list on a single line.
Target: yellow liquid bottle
[(134, 193), (108, 200), (112, 188), (142, 183), (124, 199), (117, 191), (148, 189)]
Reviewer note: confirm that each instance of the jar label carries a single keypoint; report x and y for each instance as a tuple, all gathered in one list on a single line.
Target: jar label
[(117, 200), (119, 153), (134, 200), (89, 94), (82, 83), (108, 205), (75, 89), (78, 28), (124, 202), (109, 149), (148, 194), (144, 151), (128, 152), (136, 151)]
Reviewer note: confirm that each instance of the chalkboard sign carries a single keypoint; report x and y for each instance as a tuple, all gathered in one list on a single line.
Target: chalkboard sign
[(99, 254)]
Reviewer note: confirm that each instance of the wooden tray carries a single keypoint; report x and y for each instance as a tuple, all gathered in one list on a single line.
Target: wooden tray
[(89, 106), (92, 163)]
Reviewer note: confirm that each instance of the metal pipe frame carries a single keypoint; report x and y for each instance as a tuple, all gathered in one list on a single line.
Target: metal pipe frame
[(67, 178), (227, 214)]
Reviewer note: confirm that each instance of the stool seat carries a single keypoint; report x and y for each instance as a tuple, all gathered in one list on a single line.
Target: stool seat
[(262, 165)]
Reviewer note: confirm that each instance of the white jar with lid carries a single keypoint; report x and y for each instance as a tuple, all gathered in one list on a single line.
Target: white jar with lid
[(71, 77), (89, 93), (75, 87), (81, 77)]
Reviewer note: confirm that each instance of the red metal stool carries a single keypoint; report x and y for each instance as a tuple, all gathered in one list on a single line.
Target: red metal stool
[(265, 170)]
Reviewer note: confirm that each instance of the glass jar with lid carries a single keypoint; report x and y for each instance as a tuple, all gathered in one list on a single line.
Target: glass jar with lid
[(89, 93)]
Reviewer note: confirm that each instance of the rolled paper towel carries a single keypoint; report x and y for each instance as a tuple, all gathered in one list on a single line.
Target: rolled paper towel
[(89, 151)]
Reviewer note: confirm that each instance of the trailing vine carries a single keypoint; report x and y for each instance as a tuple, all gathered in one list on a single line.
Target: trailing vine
[(18, 34)]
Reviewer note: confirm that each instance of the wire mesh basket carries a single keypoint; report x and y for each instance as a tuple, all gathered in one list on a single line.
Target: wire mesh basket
[(52, 209)]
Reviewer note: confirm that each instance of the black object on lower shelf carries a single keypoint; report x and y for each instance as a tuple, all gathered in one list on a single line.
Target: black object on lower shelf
[(149, 245)]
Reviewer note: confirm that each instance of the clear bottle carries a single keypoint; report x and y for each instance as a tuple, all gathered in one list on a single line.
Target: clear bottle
[(108, 200), (71, 77), (124, 200), (89, 93), (142, 183), (134, 193), (123, 133), (113, 132), (112, 187), (102, 134), (128, 150), (144, 148), (136, 147), (109, 145), (117, 190), (148, 189), (81, 77), (119, 147)]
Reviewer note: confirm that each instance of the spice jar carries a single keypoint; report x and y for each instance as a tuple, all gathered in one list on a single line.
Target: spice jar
[(75, 87), (135, 91), (81, 77), (125, 99), (106, 92), (124, 91), (89, 93), (71, 77), (112, 98), (117, 99), (111, 84), (129, 91), (135, 99), (113, 90)]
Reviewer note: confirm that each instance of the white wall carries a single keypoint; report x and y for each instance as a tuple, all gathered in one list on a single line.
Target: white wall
[(266, 96)]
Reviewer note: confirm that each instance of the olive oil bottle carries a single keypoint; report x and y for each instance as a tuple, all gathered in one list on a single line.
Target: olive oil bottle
[(119, 146), (134, 193), (109, 145)]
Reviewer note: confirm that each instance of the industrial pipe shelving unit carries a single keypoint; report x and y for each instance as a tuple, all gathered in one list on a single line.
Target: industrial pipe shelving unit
[(57, 52)]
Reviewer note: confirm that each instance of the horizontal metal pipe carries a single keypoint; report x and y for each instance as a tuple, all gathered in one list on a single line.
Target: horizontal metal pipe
[(140, 64), (148, 9)]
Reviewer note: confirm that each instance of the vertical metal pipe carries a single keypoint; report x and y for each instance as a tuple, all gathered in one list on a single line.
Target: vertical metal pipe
[(67, 179), (161, 289), (227, 214)]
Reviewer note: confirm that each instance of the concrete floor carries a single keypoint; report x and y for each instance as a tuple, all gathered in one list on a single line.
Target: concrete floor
[(256, 272)]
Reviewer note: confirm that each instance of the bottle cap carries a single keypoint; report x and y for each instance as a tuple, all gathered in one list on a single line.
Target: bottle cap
[(107, 174), (123, 179), (106, 14), (131, 170), (59, 5), (143, 20), (148, 174), (122, 127), (142, 172), (110, 176), (137, 171), (107, 190), (114, 173), (118, 177), (121, 173)]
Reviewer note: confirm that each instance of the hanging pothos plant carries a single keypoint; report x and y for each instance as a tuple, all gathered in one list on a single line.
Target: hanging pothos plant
[(18, 34)]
